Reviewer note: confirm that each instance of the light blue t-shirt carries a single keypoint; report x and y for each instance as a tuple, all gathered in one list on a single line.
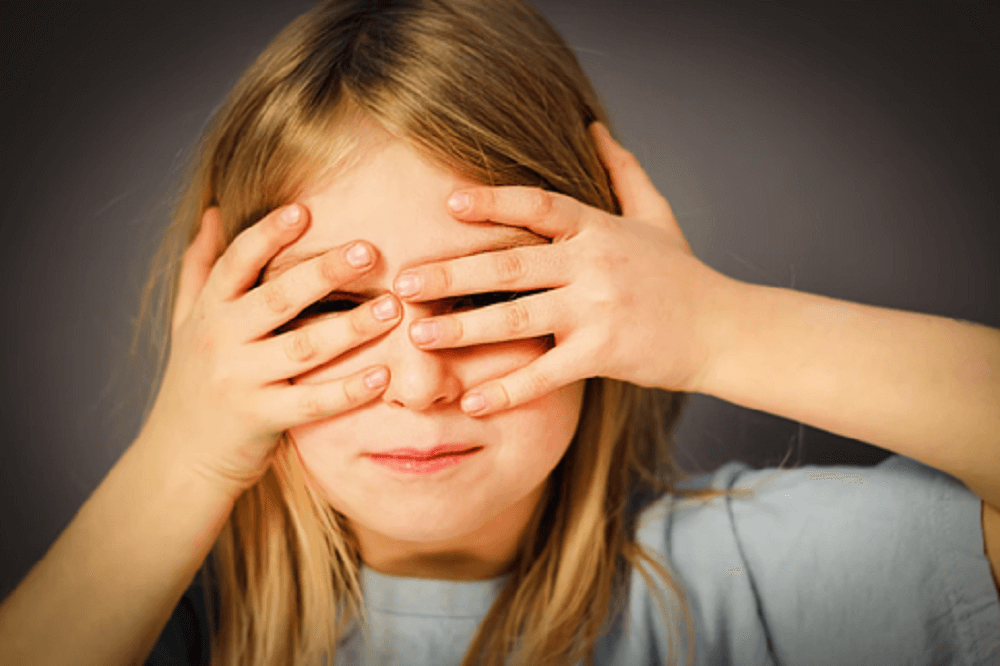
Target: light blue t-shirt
[(816, 565)]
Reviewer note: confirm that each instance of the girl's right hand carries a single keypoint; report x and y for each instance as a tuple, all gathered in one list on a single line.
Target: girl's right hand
[(225, 398)]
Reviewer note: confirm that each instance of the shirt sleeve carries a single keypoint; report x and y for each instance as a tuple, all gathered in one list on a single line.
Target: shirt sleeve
[(831, 565)]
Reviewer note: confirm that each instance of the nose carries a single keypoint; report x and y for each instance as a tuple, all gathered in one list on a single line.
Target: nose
[(418, 379)]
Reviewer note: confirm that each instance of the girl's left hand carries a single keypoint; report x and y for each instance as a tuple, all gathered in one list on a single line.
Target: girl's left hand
[(627, 298)]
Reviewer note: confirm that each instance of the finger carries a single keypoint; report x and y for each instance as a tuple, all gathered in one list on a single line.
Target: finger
[(197, 263), (545, 374), (279, 300), (638, 196), (544, 266), (240, 265), (549, 214), (302, 403), (527, 317), (297, 351)]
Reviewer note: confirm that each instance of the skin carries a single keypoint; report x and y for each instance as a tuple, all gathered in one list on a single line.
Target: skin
[(463, 523), (922, 386)]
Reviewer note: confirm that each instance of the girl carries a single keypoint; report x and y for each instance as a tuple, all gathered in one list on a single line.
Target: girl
[(430, 329)]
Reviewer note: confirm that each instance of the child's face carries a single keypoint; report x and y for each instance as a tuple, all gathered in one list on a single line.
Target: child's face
[(396, 200)]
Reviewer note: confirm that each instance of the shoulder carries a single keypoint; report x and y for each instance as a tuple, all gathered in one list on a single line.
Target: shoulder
[(870, 563)]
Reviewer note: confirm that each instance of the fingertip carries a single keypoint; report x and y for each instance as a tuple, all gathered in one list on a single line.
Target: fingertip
[(292, 216), (474, 402), (601, 134), (486, 399), (407, 284), (460, 202), (360, 254), (210, 212), (376, 379), (607, 148)]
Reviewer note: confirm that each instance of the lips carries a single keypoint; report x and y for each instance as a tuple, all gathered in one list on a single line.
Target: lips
[(426, 454)]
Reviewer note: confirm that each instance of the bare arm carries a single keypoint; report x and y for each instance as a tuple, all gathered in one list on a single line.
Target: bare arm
[(104, 591), (107, 586), (924, 386)]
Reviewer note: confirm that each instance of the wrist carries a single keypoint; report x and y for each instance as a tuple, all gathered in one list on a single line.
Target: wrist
[(722, 326), (167, 452)]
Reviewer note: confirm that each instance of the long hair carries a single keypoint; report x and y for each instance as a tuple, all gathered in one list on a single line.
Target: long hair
[(490, 91)]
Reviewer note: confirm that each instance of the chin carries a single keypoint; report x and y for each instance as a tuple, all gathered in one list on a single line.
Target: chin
[(416, 521), (429, 534)]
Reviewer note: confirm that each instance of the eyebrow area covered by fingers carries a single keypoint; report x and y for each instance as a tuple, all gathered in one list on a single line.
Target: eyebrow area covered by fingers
[(507, 238)]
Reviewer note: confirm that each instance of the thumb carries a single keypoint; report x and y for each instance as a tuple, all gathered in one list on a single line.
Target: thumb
[(198, 260), (638, 196)]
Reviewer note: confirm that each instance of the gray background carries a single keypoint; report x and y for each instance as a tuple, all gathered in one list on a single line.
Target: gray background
[(841, 149)]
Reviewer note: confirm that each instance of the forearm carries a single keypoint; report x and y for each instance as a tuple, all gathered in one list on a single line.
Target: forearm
[(923, 386), (107, 586)]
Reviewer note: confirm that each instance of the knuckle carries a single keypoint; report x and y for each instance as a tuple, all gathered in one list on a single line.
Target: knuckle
[(208, 340), (228, 264), (452, 331), (222, 381), (315, 405), (238, 254), (508, 266), (299, 346), (441, 276), (516, 317), (205, 347), (274, 297), (486, 199), (604, 298), (536, 384)]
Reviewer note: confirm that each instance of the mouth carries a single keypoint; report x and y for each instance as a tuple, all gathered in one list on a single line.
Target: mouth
[(431, 461), (427, 454)]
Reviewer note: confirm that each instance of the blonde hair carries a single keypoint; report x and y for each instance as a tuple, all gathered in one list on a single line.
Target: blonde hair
[(490, 91)]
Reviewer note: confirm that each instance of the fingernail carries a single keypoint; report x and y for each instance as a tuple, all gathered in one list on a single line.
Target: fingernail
[(290, 216), (423, 332), (385, 308), (377, 378), (408, 284), (459, 202), (358, 255), (473, 402)]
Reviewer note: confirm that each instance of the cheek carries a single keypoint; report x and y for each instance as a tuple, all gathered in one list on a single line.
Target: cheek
[(539, 432), (523, 445), (471, 365)]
